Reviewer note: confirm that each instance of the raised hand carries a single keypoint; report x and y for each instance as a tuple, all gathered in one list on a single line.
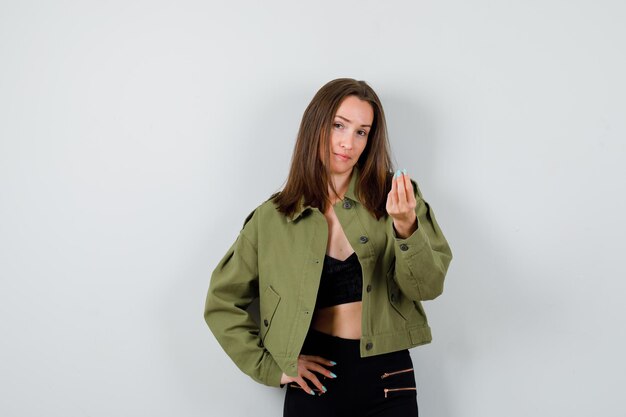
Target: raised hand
[(401, 205)]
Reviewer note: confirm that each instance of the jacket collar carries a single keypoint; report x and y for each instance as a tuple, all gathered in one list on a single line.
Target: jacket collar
[(350, 194)]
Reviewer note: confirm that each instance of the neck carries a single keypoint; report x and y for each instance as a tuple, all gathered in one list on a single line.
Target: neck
[(341, 183)]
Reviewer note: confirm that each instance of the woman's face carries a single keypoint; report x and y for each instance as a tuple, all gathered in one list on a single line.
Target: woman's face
[(348, 134)]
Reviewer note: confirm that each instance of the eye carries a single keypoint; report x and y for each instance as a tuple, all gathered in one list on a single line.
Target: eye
[(362, 133), (337, 125)]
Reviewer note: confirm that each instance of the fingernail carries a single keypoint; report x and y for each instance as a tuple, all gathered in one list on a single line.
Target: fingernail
[(324, 388), (333, 375), (333, 363), (398, 173), (311, 392), (404, 171)]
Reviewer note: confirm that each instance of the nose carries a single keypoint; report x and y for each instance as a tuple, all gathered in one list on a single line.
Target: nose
[(346, 141)]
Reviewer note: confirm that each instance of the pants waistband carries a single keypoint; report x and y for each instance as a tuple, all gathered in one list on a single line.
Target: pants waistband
[(320, 343)]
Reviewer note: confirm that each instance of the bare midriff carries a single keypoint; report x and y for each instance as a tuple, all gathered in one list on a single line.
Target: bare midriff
[(343, 320)]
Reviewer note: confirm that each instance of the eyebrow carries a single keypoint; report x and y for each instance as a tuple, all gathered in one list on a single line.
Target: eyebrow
[(350, 121)]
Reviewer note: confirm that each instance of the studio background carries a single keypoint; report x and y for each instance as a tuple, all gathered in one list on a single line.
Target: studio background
[(136, 136)]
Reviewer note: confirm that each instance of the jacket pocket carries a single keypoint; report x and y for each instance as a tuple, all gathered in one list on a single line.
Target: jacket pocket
[(409, 310), (268, 306), (397, 300)]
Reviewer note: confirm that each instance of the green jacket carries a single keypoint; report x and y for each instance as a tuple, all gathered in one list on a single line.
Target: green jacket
[(279, 259)]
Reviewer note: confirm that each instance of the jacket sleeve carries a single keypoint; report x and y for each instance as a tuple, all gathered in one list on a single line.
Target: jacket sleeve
[(234, 285), (422, 259)]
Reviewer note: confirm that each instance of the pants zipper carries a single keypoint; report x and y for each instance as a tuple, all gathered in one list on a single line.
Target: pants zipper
[(388, 390), (386, 374)]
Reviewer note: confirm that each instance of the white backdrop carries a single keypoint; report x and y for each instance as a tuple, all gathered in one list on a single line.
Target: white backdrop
[(135, 136)]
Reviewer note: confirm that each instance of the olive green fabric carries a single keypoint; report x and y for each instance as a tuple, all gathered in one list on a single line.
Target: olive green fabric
[(279, 259)]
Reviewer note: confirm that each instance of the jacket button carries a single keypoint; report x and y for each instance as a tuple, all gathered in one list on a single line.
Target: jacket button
[(347, 204), (267, 323), (404, 247), (369, 288), (369, 346), (363, 239), (393, 298)]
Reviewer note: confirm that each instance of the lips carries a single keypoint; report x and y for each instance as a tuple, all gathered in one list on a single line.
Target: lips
[(343, 157)]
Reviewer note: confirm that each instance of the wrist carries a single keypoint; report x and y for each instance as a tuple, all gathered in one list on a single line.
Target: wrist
[(404, 229)]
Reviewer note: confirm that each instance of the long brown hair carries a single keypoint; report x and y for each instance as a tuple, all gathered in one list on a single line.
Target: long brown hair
[(308, 176)]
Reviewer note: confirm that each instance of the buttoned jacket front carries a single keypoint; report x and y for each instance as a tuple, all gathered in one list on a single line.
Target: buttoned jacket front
[(279, 259)]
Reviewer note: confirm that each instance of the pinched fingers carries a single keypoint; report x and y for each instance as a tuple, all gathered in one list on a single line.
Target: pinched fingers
[(401, 200), (400, 184), (392, 197), (410, 196)]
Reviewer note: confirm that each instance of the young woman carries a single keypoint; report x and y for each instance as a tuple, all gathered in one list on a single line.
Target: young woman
[(340, 259)]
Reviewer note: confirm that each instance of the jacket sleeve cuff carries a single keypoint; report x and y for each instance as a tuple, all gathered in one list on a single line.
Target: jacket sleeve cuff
[(418, 269), (407, 247), (273, 373)]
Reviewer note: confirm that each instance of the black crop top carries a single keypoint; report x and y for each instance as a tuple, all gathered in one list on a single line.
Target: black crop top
[(341, 282)]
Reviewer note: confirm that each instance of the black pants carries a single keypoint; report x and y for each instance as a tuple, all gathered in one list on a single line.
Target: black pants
[(376, 386)]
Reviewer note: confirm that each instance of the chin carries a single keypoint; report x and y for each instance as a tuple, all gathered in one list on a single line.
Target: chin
[(343, 170)]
